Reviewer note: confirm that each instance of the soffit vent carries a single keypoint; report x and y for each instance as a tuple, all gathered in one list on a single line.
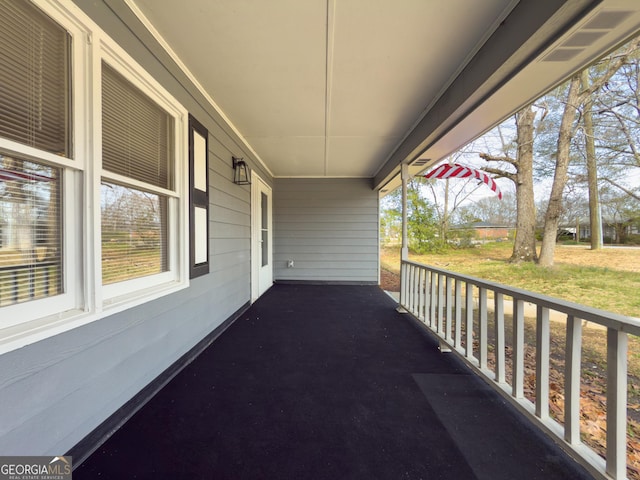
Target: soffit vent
[(420, 162), (562, 54), (589, 33), (607, 20), (584, 39)]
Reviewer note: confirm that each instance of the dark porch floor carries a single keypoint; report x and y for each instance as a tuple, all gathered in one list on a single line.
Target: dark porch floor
[(327, 382)]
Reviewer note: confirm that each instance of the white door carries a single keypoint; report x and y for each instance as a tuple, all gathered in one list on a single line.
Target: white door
[(261, 237)]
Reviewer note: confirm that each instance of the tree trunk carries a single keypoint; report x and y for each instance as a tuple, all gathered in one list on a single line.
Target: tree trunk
[(554, 209), (444, 228), (524, 246), (595, 220)]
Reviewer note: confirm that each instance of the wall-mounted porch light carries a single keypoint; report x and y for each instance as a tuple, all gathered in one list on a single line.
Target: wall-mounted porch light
[(241, 172)]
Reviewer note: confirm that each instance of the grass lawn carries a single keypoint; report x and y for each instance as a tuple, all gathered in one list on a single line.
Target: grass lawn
[(608, 279)]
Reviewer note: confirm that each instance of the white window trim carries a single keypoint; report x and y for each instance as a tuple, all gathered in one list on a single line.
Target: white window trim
[(85, 299), (120, 61)]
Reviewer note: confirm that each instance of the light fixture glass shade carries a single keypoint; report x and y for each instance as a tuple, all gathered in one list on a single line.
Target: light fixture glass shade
[(241, 172)]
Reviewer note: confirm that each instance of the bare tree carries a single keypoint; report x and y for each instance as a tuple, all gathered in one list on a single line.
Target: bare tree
[(595, 220), (575, 99), (524, 247), (554, 206)]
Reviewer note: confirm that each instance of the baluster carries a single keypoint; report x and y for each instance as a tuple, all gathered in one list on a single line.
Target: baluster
[(518, 349), (572, 381), (616, 403), (469, 321), (542, 362), (458, 314), (416, 306), (440, 304), (411, 287), (424, 288), (500, 340), (433, 300), (427, 297), (448, 311), (482, 326)]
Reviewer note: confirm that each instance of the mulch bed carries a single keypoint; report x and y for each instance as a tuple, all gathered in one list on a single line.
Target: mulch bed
[(389, 280)]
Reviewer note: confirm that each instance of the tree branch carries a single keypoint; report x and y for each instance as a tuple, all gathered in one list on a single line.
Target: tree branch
[(496, 158), (628, 192), (611, 70)]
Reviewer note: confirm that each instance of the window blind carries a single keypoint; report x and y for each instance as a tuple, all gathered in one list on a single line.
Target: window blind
[(34, 74), (136, 133), (30, 237)]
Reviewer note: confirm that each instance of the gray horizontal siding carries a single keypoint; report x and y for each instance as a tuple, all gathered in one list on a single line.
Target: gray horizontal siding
[(54, 392), (328, 227)]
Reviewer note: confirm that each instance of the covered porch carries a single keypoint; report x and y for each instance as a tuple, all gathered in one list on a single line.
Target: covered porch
[(193, 372), (327, 381)]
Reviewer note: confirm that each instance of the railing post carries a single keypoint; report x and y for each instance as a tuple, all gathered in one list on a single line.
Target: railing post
[(404, 177), (572, 381), (542, 362), (402, 284), (402, 306), (518, 349), (616, 403)]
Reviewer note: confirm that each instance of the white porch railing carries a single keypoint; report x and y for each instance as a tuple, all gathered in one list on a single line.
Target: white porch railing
[(456, 308)]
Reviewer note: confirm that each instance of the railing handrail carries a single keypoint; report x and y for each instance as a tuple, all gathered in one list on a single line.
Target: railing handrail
[(601, 317)]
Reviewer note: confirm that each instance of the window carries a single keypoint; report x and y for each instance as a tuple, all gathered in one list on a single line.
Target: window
[(30, 241), (35, 112), (137, 163), (199, 198), (93, 198)]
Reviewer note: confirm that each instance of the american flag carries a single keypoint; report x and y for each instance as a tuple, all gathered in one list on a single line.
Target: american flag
[(455, 170)]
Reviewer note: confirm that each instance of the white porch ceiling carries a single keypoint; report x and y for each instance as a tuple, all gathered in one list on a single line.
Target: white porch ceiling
[(354, 88), (324, 87)]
